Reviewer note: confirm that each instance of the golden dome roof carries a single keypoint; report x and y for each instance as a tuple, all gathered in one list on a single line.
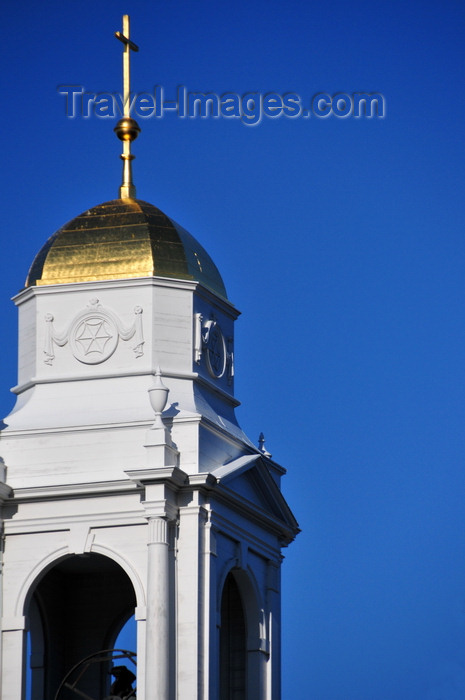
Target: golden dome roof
[(122, 239)]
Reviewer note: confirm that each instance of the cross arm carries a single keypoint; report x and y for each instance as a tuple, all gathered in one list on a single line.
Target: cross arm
[(126, 41)]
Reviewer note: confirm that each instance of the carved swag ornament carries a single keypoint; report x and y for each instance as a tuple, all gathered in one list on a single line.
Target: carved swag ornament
[(93, 334)]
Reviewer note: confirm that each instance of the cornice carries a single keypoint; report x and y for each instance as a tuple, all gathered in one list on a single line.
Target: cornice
[(167, 282), (66, 378), (66, 522), (95, 489)]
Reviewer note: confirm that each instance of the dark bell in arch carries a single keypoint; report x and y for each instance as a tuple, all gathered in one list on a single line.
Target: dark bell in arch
[(122, 685)]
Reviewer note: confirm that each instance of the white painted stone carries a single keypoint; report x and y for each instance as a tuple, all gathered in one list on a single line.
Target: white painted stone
[(86, 475)]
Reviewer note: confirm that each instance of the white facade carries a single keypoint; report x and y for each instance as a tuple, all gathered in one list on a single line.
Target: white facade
[(108, 509)]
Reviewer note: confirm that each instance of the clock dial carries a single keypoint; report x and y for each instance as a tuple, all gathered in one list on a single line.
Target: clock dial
[(216, 352)]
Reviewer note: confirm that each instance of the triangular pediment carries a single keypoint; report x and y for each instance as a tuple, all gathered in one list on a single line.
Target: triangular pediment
[(249, 477), (248, 487)]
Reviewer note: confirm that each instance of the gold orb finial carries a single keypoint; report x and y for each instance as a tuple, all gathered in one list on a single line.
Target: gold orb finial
[(127, 129)]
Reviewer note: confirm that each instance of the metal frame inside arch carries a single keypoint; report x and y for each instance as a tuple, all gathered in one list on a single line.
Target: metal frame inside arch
[(109, 656)]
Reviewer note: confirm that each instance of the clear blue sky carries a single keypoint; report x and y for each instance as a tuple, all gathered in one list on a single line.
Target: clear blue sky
[(342, 241)]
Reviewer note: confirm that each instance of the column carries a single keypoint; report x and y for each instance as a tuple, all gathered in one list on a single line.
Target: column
[(157, 625)]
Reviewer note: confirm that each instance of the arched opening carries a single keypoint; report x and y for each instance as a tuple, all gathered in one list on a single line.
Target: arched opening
[(127, 636), (233, 643), (77, 609)]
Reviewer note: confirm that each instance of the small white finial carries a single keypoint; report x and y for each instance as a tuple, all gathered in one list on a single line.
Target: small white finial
[(158, 394), (261, 446)]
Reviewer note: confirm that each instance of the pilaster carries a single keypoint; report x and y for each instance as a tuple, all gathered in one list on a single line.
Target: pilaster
[(161, 486), (158, 612), (13, 671)]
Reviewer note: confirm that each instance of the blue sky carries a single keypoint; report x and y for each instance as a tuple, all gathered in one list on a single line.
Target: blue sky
[(342, 243)]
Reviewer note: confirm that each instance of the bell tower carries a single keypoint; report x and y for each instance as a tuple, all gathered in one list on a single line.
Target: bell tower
[(127, 486)]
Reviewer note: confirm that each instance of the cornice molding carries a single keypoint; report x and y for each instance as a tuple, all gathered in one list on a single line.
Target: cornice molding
[(167, 282), (84, 490)]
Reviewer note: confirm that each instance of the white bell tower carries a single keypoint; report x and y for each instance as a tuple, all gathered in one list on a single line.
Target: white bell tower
[(126, 485)]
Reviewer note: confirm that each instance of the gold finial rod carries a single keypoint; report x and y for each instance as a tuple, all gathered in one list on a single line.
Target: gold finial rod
[(127, 128)]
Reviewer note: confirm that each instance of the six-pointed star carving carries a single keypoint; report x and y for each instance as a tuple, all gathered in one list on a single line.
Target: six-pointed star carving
[(93, 336)]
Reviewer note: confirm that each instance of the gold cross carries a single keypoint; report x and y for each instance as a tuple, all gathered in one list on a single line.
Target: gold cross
[(128, 45)]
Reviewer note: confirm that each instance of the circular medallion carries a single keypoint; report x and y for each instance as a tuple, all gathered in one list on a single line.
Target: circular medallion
[(93, 338), (216, 352)]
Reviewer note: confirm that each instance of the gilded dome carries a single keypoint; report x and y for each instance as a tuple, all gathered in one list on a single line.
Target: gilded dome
[(122, 239)]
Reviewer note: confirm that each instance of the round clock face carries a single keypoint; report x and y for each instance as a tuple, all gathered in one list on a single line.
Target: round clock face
[(216, 352)]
